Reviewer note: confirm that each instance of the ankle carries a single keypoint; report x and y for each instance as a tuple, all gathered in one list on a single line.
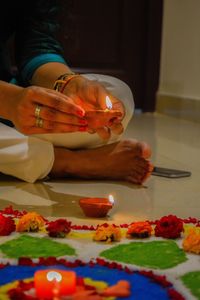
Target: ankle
[(62, 161)]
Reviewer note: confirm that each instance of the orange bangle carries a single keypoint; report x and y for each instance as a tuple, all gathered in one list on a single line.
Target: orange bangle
[(67, 80), (61, 80)]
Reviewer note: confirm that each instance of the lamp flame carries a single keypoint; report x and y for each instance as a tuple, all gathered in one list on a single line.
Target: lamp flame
[(111, 199), (53, 275), (108, 103)]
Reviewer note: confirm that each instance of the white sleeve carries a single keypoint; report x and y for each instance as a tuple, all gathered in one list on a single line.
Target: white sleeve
[(25, 157)]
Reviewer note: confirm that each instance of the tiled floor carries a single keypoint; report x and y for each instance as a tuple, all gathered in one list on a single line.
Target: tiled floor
[(175, 144)]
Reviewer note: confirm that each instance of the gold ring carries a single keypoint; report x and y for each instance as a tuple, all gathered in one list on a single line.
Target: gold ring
[(39, 122), (37, 111)]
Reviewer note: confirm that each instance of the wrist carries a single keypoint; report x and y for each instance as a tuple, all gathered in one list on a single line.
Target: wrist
[(8, 95), (63, 80)]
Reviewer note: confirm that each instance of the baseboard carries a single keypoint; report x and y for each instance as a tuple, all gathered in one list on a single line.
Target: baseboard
[(188, 109)]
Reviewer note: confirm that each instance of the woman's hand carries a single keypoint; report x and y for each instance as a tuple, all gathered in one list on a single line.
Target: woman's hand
[(39, 110), (91, 96)]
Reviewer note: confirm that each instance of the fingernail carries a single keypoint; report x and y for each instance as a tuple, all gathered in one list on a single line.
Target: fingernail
[(151, 167), (83, 122), (83, 128)]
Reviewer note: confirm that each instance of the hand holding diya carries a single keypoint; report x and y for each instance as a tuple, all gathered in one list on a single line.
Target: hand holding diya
[(96, 207), (98, 118), (101, 113)]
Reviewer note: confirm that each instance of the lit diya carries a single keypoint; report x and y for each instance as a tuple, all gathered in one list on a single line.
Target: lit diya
[(96, 207), (97, 117), (51, 283), (102, 117)]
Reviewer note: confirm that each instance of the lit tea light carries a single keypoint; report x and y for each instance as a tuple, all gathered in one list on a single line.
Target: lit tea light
[(108, 104), (51, 283)]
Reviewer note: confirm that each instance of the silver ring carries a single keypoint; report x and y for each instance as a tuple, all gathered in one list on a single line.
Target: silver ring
[(39, 122), (37, 111)]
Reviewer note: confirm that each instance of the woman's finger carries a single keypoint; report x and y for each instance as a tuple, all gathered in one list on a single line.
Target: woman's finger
[(100, 118), (104, 133), (54, 100), (117, 128), (53, 115)]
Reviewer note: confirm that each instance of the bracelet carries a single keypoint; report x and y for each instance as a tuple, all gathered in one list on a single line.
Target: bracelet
[(63, 80), (69, 78)]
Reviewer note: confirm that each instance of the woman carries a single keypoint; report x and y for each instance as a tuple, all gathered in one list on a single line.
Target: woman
[(61, 132)]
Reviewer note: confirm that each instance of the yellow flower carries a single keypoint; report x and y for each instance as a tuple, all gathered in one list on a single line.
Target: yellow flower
[(192, 241), (107, 233), (30, 222)]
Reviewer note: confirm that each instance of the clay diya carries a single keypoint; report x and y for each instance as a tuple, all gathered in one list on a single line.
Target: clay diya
[(96, 207), (98, 118)]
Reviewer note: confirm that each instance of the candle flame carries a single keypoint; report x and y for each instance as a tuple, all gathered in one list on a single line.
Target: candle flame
[(108, 103), (53, 275), (111, 199)]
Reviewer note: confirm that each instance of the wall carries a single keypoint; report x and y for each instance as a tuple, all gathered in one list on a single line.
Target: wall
[(180, 56)]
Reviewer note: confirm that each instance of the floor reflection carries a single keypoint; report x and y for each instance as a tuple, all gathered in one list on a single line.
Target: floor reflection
[(46, 200)]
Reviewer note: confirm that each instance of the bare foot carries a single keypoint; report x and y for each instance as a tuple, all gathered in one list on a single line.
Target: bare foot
[(126, 160)]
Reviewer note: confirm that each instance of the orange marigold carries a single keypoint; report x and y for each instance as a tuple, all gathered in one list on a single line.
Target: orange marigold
[(107, 233), (31, 221), (192, 241), (139, 229)]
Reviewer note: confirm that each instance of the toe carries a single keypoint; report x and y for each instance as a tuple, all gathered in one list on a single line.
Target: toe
[(145, 150), (148, 171)]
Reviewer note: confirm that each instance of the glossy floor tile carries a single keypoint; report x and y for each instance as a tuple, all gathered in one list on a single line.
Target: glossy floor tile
[(175, 144)]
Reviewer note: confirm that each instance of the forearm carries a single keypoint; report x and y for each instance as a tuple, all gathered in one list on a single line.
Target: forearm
[(47, 74), (8, 94)]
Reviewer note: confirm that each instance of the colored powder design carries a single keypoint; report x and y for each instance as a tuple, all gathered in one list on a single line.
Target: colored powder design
[(141, 286), (29, 246), (155, 254), (192, 281), (4, 289)]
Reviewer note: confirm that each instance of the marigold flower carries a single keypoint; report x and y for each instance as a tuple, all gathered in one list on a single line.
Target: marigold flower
[(59, 228), (107, 233), (139, 229), (192, 241), (7, 225), (31, 221), (169, 227)]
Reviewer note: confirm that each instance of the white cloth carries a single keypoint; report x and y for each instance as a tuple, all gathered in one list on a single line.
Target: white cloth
[(25, 157), (31, 157)]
